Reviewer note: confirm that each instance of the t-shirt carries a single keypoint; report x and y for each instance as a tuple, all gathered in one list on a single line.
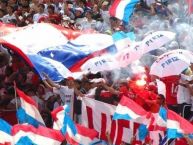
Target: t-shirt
[(65, 93), (171, 84)]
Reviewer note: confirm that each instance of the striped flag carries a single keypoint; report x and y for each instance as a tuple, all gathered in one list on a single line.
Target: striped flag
[(39, 136), (127, 109), (190, 6), (5, 133), (28, 113), (123, 9), (98, 116), (177, 126), (75, 134)]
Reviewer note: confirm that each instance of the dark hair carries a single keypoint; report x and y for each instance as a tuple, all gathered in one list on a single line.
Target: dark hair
[(161, 96), (41, 5), (51, 7)]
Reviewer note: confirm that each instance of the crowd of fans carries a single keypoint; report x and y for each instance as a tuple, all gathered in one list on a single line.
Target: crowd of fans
[(83, 15)]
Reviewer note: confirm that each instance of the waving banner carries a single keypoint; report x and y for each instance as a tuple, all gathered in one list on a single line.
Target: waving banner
[(54, 54)]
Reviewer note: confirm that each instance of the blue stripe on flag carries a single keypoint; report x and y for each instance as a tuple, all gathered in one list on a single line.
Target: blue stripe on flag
[(23, 117), (68, 121), (142, 132), (117, 116), (129, 10), (64, 54), (173, 133), (45, 66), (122, 35), (5, 127), (163, 113), (24, 140)]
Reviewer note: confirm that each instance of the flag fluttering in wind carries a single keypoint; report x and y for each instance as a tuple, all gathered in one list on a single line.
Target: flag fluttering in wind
[(28, 112), (39, 136), (177, 126), (5, 133), (123, 9)]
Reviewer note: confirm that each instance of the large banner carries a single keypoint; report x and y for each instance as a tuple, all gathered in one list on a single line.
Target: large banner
[(98, 115)]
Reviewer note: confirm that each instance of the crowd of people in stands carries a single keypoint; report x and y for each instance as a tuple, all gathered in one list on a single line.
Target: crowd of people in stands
[(83, 15)]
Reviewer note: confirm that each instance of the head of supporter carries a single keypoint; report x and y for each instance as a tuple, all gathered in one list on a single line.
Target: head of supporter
[(105, 6), (96, 13), (70, 82), (160, 100), (41, 89), (51, 9), (88, 15), (78, 12), (10, 10), (41, 8), (3, 5)]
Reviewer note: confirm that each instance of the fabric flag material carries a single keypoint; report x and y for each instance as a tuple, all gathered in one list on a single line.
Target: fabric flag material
[(127, 109), (58, 116), (54, 54), (123, 9), (169, 65), (142, 132), (177, 126), (156, 40), (39, 136), (159, 121), (5, 133), (190, 6), (102, 63), (25, 141), (62, 120), (122, 40), (98, 116), (84, 136), (28, 113)]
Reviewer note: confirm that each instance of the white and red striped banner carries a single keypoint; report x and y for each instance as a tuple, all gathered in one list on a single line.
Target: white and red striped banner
[(98, 115)]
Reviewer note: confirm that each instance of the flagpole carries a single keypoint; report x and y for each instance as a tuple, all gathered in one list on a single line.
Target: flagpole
[(16, 103)]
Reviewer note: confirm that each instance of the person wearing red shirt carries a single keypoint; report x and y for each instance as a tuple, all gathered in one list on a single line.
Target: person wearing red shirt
[(171, 84)]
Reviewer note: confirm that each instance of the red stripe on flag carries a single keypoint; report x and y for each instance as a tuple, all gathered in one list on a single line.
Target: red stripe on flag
[(70, 140), (55, 112), (112, 10), (132, 105), (103, 126), (113, 129), (121, 124), (90, 117), (26, 98), (42, 131)]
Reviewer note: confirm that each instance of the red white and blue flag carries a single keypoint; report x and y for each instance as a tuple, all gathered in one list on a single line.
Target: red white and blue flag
[(123, 9), (39, 136), (98, 116), (5, 133), (177, 126), (47, 50), (127, 109), (28, 113), (82, 135)]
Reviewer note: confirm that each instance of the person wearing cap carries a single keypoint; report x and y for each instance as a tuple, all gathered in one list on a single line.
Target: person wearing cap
[(66, 91)]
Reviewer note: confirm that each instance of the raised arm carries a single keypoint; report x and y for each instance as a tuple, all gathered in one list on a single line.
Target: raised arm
[(49, 83)]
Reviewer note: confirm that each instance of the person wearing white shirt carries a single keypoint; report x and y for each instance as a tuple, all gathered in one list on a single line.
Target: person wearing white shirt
[(183, 93), (40, 13), (10, 16), (66, 91)]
